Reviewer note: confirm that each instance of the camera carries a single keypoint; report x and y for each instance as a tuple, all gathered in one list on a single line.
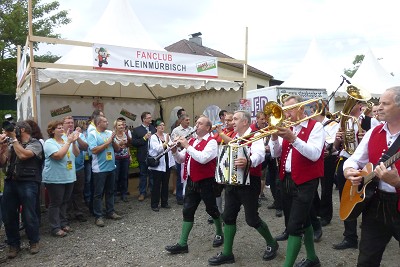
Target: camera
[(9, 126)]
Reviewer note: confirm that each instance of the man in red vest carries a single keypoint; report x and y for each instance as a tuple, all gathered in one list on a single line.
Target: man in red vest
[(381, 218), (302, 164), (199, 156), (246, 195)]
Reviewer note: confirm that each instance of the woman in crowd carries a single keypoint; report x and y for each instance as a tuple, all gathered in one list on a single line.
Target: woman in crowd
[(122, 159), (158, 144), (37, 134), (59, 174)]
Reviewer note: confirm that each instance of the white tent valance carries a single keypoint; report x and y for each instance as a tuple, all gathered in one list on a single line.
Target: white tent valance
[(111, 84)]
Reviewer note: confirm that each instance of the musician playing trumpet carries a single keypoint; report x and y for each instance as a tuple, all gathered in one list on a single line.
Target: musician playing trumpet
[(199, 155), (381, 218), (246, 195), (301, 165)]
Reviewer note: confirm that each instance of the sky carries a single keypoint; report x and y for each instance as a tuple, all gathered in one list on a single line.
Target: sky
[(279, 32)]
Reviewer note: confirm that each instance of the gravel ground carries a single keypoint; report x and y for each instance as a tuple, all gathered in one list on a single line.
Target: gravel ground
[(140, 237)]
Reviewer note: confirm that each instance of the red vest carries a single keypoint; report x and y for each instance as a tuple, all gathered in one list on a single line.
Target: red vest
[(199, 171), (378, 146), (303, 169)]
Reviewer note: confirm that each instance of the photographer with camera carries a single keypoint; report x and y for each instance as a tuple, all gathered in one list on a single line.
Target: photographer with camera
[(24, 160)]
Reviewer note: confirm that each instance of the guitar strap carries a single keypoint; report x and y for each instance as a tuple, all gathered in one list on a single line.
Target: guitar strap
[(391, 151)]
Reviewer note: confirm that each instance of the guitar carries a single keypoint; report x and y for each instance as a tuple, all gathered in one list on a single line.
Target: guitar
[(355, 197)]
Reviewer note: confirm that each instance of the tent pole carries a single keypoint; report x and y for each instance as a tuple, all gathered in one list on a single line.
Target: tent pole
[(245, 63), (32, 62)]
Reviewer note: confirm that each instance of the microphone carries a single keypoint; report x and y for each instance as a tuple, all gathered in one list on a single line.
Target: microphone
[(344, 78)]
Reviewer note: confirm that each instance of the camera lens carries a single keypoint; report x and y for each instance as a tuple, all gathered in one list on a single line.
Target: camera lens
[(8, 126)]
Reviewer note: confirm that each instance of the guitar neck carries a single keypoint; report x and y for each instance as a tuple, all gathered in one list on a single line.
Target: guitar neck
[(387, 163)]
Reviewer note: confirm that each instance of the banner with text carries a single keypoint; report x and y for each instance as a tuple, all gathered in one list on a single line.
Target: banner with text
[(117, 58)]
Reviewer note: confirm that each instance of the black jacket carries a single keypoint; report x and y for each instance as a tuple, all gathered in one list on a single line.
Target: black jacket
[(139, 142)]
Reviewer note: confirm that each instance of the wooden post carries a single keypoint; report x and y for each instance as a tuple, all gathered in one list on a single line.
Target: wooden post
[(33, 72)]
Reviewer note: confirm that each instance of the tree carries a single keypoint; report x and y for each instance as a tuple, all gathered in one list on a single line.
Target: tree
[(14, 30), (356, 63)]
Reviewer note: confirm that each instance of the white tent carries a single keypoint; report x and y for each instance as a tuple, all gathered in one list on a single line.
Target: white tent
[(135, 92), (126, 30), (314, 72), (373, 77)]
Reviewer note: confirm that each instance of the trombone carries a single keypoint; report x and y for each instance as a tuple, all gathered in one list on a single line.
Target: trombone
[(276, 118)]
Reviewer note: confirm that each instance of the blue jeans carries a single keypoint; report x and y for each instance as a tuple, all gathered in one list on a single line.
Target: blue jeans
[(17, 193), (87, 192), (121, 176), (144, 172), (103, 182), (179, 184)]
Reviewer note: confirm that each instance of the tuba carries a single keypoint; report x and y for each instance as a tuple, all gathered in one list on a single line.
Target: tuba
[(347, 122)]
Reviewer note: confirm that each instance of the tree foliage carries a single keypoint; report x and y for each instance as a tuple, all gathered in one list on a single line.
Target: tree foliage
[(356, 64), (46, 17)]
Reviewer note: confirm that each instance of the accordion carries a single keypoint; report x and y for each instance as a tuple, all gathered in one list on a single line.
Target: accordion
[(226, 171)]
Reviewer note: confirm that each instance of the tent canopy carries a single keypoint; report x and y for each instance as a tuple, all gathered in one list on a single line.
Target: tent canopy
[(372, 76), (126, 30)]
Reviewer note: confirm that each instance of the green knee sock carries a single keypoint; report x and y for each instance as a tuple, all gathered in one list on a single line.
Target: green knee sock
[(229, 235), (218, 226), (264, 231), (309, 243), (292, 250), (186, 228)]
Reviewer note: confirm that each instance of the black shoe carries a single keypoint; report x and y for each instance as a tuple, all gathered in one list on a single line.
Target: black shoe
[(317, 235), (272, 206), (179, 202), (210, 220), (221, 259), (270, 252), (166, 206), (324, 222), (345, 244), (308, 263), (156, 209), (278, 213), (282, 237), (80, 218), (177, 249), (218, 241)]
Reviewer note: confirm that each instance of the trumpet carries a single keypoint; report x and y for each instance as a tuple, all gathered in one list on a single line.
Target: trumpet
[(174, 144), (276, 118)]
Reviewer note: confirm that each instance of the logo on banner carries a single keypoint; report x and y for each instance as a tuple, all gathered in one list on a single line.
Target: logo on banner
[(102, 56)]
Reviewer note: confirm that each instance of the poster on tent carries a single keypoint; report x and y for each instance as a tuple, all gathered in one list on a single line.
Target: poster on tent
[(25, 102), (126, 59)]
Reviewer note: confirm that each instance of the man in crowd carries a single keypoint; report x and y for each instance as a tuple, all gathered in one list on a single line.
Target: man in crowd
[(301, 166), (101, 143), (182, 130), (350, 239), (140, 137), (179, 114), (381, 218), (246, 195), (260, 124), (24, 161), (199, 155), (325, 204), (76, 203)]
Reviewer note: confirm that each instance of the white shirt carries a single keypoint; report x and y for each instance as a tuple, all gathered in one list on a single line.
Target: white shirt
[(257, 150), (360, 157), (330, 131), (209, 153), (311, 149)]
